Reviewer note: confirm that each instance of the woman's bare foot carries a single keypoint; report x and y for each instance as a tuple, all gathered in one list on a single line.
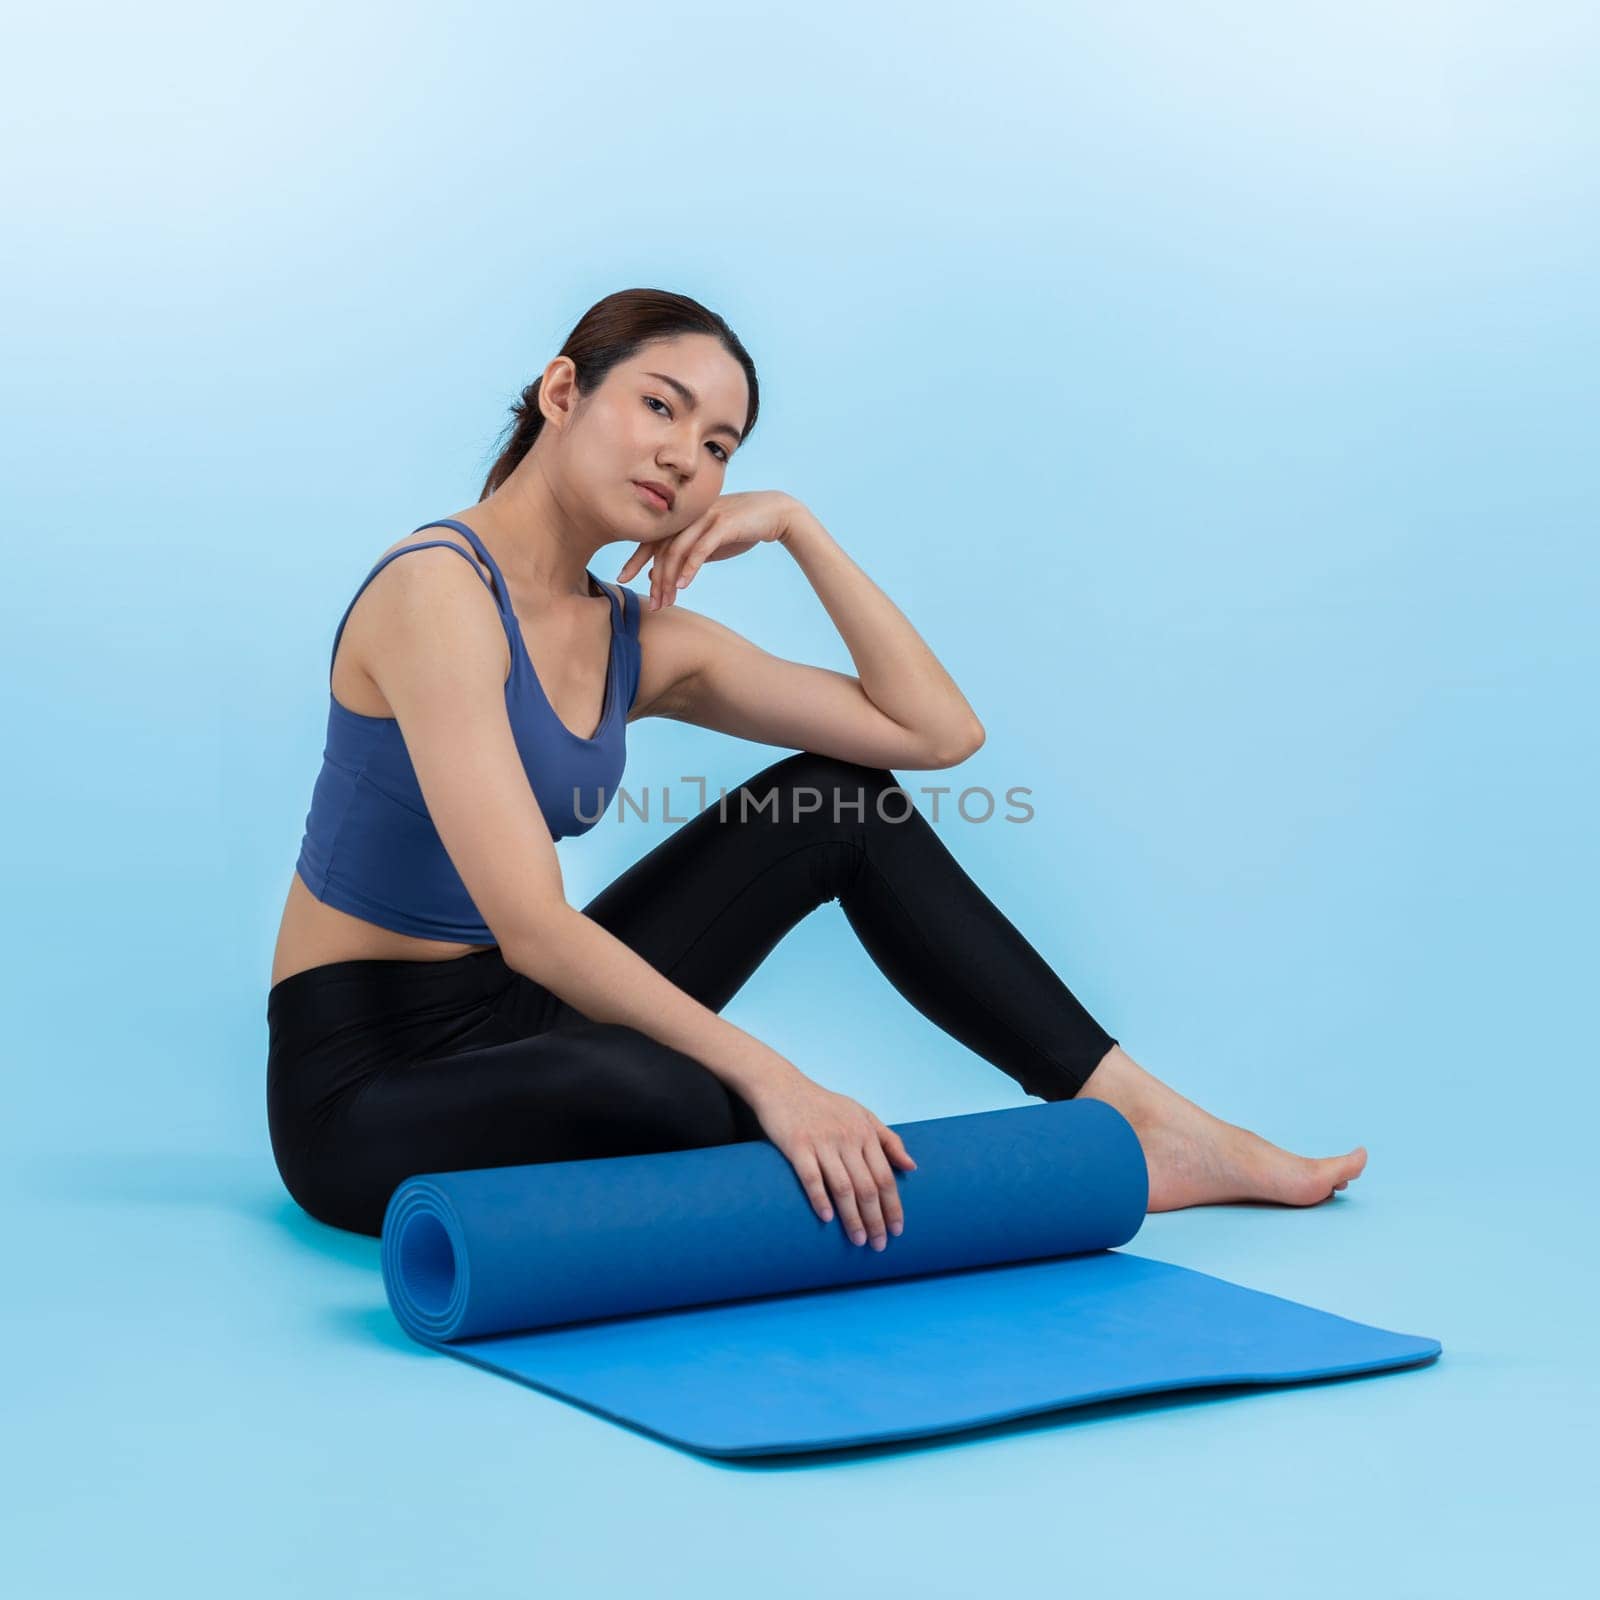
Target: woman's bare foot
[(1196, 1159)]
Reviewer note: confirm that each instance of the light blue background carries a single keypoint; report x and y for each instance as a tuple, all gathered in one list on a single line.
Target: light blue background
[(1214, 387)]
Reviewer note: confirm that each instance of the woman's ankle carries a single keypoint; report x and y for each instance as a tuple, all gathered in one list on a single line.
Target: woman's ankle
[(1120, 1081)]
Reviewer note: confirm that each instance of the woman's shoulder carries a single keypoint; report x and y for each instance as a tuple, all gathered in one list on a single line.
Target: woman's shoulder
[(448, 589)]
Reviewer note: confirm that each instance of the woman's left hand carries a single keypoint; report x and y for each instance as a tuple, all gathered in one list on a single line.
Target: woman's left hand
[(730, 525)]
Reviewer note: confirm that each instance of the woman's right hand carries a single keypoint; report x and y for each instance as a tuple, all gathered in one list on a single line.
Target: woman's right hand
[(835, 1144)]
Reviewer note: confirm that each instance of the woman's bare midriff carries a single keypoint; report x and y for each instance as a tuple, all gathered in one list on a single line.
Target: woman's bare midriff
[(313, 934)]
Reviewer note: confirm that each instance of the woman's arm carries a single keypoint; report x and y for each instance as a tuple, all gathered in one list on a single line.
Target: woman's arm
[(901, 710)]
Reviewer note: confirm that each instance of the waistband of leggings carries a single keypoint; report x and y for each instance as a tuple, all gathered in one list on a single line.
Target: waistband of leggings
[(346, 988)]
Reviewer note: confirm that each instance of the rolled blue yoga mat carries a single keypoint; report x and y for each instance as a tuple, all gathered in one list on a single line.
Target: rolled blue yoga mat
[(695, 1294)]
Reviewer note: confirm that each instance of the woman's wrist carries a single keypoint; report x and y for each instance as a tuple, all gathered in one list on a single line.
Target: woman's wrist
[(748, 1066), (802, 530)]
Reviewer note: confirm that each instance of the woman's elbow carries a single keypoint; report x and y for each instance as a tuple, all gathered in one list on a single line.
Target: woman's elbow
[(535, 932), (955, 751)]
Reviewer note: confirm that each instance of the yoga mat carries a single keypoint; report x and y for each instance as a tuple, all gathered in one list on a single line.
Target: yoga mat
[(695, 1295)]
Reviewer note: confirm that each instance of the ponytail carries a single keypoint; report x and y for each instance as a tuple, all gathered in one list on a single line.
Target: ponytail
[(526, 421)]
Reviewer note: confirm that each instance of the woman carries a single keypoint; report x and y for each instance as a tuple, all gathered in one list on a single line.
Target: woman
[(435, 1002)]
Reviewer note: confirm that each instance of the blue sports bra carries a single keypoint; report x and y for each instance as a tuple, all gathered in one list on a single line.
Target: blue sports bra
[(370, 847)]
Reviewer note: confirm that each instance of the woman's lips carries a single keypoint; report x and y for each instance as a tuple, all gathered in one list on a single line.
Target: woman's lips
[(651, 498)]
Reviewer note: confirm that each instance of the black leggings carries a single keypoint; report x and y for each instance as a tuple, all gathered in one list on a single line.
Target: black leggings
[(380, 1069)]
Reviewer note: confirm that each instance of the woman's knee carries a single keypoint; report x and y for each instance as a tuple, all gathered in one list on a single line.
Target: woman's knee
[(806, 786)]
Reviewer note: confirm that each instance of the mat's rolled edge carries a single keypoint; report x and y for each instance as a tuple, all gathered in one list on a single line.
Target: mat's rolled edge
[(427, 1269)]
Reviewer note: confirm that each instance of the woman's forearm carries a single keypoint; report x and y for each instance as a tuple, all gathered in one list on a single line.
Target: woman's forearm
[(580, 962), (898, 672)]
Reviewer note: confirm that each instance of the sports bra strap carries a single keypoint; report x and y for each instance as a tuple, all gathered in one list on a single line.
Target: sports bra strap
[(427, 544), (630, 612), (502, 595)]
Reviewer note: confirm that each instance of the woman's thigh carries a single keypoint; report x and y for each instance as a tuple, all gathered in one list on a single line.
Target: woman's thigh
[(708, 904), (577, 1091)]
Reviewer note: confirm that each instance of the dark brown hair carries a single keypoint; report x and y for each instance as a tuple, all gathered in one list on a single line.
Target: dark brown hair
[(612, 330)]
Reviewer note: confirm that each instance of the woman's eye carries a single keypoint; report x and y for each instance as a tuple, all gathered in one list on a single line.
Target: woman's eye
[(666, 411)]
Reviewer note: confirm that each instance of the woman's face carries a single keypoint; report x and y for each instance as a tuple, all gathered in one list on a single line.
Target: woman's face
[(641, 425)]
